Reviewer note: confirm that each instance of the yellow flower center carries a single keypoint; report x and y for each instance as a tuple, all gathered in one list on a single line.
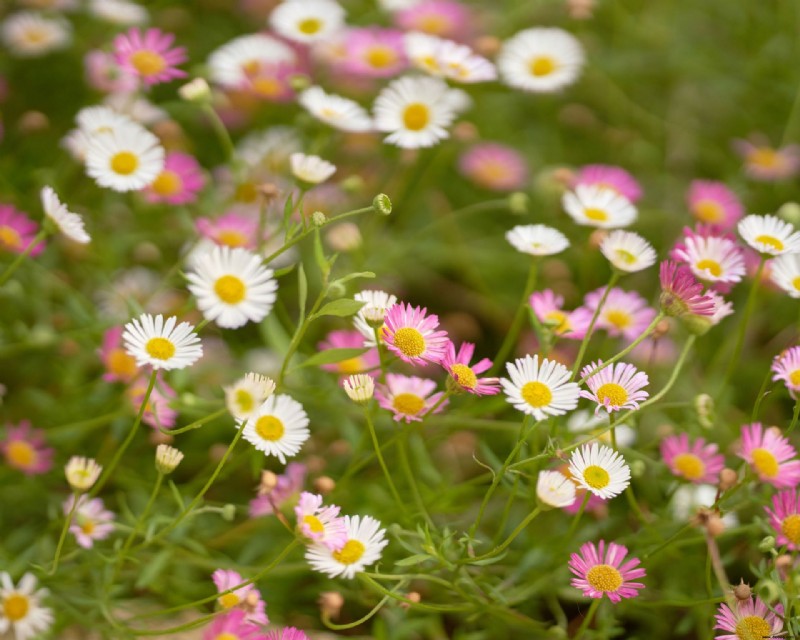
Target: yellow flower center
[(229, 600), (309, 26), (794, 377), (614, 393), (753, 628), (160, 348), (559, 320), (121, 364), (244, 400), (619, 318), (270, 428), (168, 183), (351, 366), (231, 238), (416, 116), (542, 66), (625, 256), (267, 87), (689, 466), (410, 342), (313, 523), (791, 528), (9, 238), (381, 57), (596, 477), (351, 552), (408, 403), (765, 158), (20, 454), (604, 577), (433, 23), (16, 607), (246, 192), (536, 394), (770, 241), (708, 211), (595, 214), (464, 376), (124, 163), (227, 636), (230, 289), (795, 282), (148, 63), (712, 266), (765, 463), (88, 527)]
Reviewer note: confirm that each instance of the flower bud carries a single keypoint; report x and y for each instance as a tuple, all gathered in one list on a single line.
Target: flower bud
[(715, 526), (353, 184), (382, 204), (742, 591), (790, 212), (324, 485), (704, 406), (228, 512), (330, 604), (359, 388), (518, 203), (318, 219), (344, 237), (196, 91), (727, 479), (167, 458), (767, 544), (268, 482), (336, 290), (82, 473)]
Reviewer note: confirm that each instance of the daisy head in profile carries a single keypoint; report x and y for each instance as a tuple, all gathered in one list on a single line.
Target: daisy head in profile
[(68, 223)]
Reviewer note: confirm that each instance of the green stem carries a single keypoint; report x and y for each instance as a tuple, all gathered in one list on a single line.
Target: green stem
[(298, 335), (587, 620), (196, 424), (516, 325), (573, 527), (442, 399), (414, 605), (137, 527), (585, 342), (381, 354), (402, 449), (382, 462), (221, 130), (18, 260), (65, 528), (794, 416), (520, 528)]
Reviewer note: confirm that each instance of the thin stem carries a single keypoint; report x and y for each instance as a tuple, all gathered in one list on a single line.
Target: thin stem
[(197, 423), (442, 399), (221, 130), (794, 416), (402, 450), (719, 570), (573, 527), (137, 527), (63, 536), (520, 528), (587, 620), (298, 335), (382, 462), (18, 260), (381, 354), (585, 342), (414, 605), (516, 325)]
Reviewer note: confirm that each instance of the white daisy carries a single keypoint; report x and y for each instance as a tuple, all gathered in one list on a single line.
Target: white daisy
[(279, 427), (554, 489), (416, 111), (100, 119), (70, 224), (359, 387), (138, 109), (81, 473), (769, 235), (365, 541), (21, 610), (162, 345), (597, 206), (628, 251), (338, 112), (247, 394), (712, 258), (128, 159), (167, 458), (447, 59), (785, 272), (376, 304), (231, 64), (540, 390), (119, 12), (541, 60), (311, 169), (600, 469), (29, 34), (308, 21), (232, 287), (537, 239)]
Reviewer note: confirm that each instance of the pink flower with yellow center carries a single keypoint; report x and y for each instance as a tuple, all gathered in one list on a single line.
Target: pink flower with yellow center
[(270, 81), (149, 55), (232, 229), (696, 461), (367, 362), (374, 52), (494, 166), (158, 413), (625, 313), (17, 231), (548, 307), (764, 162), (287, 633), (618, 386), (609, 177), (681, 294), (320, 524), (245, 601), (104, 74), (91, 520), (179, 181), (410, 333), (120, 366), (770, 455), (750, 619), (786, 367), (714, 203), (408, 397), (443, 18), (712, 258), (784, 517), (466, 376), (282, 490), (26, 449), (603, 571), (233, 626)]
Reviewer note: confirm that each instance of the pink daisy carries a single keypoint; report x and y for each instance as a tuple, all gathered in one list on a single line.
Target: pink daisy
[(609, 177), (287, 633), (408, 397), (751, 620), (494, 166), (91, 520), (374, 52), (770, 455), (233, 625), (711, 258), (764, 162), (601, 572), (696, 462), (120, 367), (548, 307), (464, 375), (367, 362), (443, 18), (410, 333), (271, 81), (714, 203), (625, 313), (104, 74), (179, 181), (17, 231), (616, 387), (158, 413), (232, 229), (320, 524), (681, 294), (148, 55), (784, 517), (246, 599), (287, 486), (786, 367), (26, 449)]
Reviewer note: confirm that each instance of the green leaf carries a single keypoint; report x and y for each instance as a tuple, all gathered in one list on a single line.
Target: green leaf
[(319, 256), (353, 276), (342, 308), (329, 356), (412, 560), (287, 212), (153, 568), (302, 292)]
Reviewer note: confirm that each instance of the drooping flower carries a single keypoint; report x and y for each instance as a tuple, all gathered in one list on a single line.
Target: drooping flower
[(537, 239), (26, 449), (179, 181), (618, 386), (410, 333), (162, 345), (67, 222), (359, 388), (603, 571), (246, 599), (279, 427), (769, 235), (540, 390), (311, 170), (320, 524), (81, 473), (714, 203), (770, 455), (599, 207), (624, 313), (365, 542), (599, 469), (282, 489), (695, 461), (786, 367), (609, 177), (409, 398), (681, 294), (466, 376), (91, 520), (494, 166), (628, 251), (21, 610), (149, 55), (750, 619), (785, 272), (541, 60), (554, 489), (233, 625), (17, 231)]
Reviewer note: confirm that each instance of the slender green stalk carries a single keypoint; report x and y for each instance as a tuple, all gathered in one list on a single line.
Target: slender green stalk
[(413, 604), (298, 335), (333, 626), (510, 340), (18, 260), (382, 462), (442, 399), (64, 529), (221, 130), (197, 423), (794, 416), (587, 620), (137, 527), (381, 354), (585, 342), (402, 450), (574, 526), (512, 536)]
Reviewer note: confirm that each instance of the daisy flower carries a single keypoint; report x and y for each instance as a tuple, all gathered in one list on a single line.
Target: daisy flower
[(751, 620), (711, 258), (149, 55), (598, 207), (104, 74), (374, 52), (554, 489), (681, 294), (91, 520), (128, 159), (29, 34), (359, 388), (270, 81), (232, 64), (447, 59), (279, 427), (309, 169), (82, 473), (245, 395), (283, 489), (466, 376), (246, 599), (336, 111), (628, 251), (696, 461), (540, 390), (21, 610), (179, 181), (120, 12), (68, 223), (167, 459), (714, 203), (600, 571), (786, 367), (308, 21), (287, 633), (362, 548), (770, 455), (784, 272), (764, 162), (232, 229), (443, 18), (233, 625), (17, 231), (162, 345), (373, 314), (624, 313), (409, 332), (599, 469), (158, 413), (541, 60), (769, 235), (494, 166), (616, 387), (320, 524), (548, 307), (408, 397), (232, 287), (349, 340), (784, 517), (609, 177), (26, 449), (537, 239)]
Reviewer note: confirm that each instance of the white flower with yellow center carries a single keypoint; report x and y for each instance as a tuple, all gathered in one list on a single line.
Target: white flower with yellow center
[(372, 315), (70, 224), (21, 611), (600, 207), (28, 34), (247, 394), (785, 272), (162, 345), (340, 113), (365, 542), (416, 112), (537, 239), (600, 469), (311, 169), (541, 60), (307, 21), (279, 427), (769, 235), (447, 59), (232, 287), (92, 121), (119, 12), (540, 390), (554, 489), (232, 64), (628, 251), (128, 159), (82, 473)]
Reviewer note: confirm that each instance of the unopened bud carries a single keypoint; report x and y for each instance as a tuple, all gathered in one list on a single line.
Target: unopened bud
[(638, 468), (228, 512), (696, 325), (742, 591), (82, 473), (353, 184), (167, 458), (299, 82), (336, 290), (727, 479), (33, 121), (767, 544), (324, 485), (382, 204), (330, 604), (414, 596), (359, 388), (704, 406), (662, 329), (344, 237), (596, 238), (268, 482), (790, 212), (319, 219), (195, 91), (518, 203), (783, 562), (268, 191), (488, 45), (714, 525)]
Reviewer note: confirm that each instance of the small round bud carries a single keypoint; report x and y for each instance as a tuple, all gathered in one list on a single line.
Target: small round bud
[(714, 525), (596, 238), (767, 544), (324, 485), (488, 45), (228, 512), (727, 479), (299, 82), (330, 604), (196, 91), (382, 204), (318, 219), (662, 329), (336, 290), (167, 458), (359, 388), (518, 203), (742, 591), (147, 252), (465, 131), (414, 596), (82, 473), (352, 184), (268, 482), (33, 121), (344, 237), (696, 325), (704, 406), (783, 562), (790, 212), (638, 468), (268, 191)]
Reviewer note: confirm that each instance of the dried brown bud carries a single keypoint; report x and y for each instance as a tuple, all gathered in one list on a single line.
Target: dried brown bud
[(414, 596), (597, 237), (32, 121), (330, 604), (662, 329), (488, 45), (742, 591), (580, 9), (268, 191), (727, 479), (465, 131), (783, 563), (268, 482), (715, 526), (324, 485)]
